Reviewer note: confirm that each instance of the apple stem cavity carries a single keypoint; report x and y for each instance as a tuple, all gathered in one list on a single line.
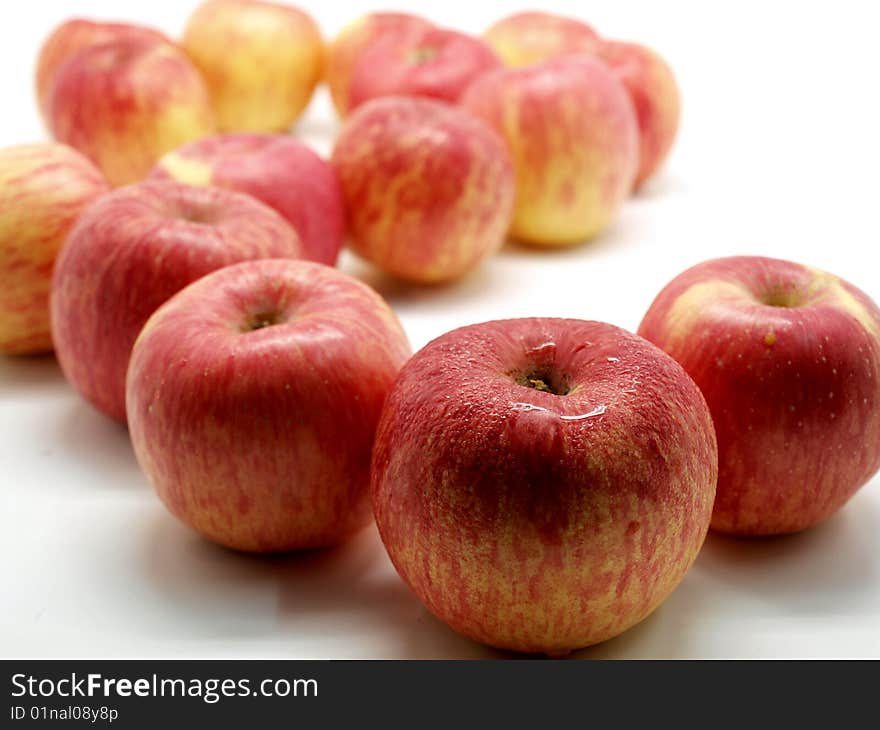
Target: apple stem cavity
[(545, 381)]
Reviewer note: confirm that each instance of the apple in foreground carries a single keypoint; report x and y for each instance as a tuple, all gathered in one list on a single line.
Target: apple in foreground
[(523, 39), (261, 60), (276, 169), (788, 358), (253, 397), (44, 188), (432, 62), (124, 104), (345, 51), (129, 253), (72, 36), (429, 188), (573, 134), (543, 484)]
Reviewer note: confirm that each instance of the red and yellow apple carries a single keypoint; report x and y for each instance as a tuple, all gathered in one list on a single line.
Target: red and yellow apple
[(253, 397), (574, 138), (346, 49), (261, 60), (432, 62), (788, 358), (429, 188), (533, 37), (129, 253), (276, 169), (124, 104), (543, 484), (44, 189)]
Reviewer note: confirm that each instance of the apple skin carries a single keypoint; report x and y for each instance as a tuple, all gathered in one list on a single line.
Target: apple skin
[(72, 36), (433, 62), (260, 439), (533, 37), (44, 188), (128, 254), (261, 60), (277, 170), (654, 91), (345, 51), (124, 104), (535, 521), (788, 358), (429, 189), (574, 138)]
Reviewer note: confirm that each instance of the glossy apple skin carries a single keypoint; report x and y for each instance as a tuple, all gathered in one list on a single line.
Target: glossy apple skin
[(345, 51), (71, 37), (536, 521), (128, 254), (124, 104), (573, 135), (44, 188), (260, 439), (434, 63), (533, 37), (788, 358), (276, 169), (429, 189), (654, 91), (261, 60)]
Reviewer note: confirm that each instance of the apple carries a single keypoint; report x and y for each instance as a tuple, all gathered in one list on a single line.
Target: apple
[(523, 39), (652, 87), (276, 169), (433, 62), (543, 484), (573, 134), (130, 252), (261, 60), (253, 397), (429, 188), (72, 36), (44, 188), (345, 51), (126, 103), (788, 358)]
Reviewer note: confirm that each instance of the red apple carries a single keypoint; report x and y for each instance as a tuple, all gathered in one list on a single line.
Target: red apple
[(429, 188), (573, 134), (788, 358), (130, 252), (543, 484), (44, 188), (253, 397), (124, 104), (71, 37), (432, 62), (523, 39), (276, 169), (345, 51)]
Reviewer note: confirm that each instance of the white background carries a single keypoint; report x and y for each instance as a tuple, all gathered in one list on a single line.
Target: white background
[(778, 155)]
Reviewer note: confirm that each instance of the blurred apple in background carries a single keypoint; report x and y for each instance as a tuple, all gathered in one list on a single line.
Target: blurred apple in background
[(532, 37), (126, 103), (253, 398), (345, 51), (44, 188), (279, 171), (574, 138), (543, 484), (261, 61), (130, 252), (429, 188), (788, 358), (431, 62), (71, 37)]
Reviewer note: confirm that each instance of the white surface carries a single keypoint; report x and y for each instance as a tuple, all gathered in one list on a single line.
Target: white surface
[(778, 155)]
